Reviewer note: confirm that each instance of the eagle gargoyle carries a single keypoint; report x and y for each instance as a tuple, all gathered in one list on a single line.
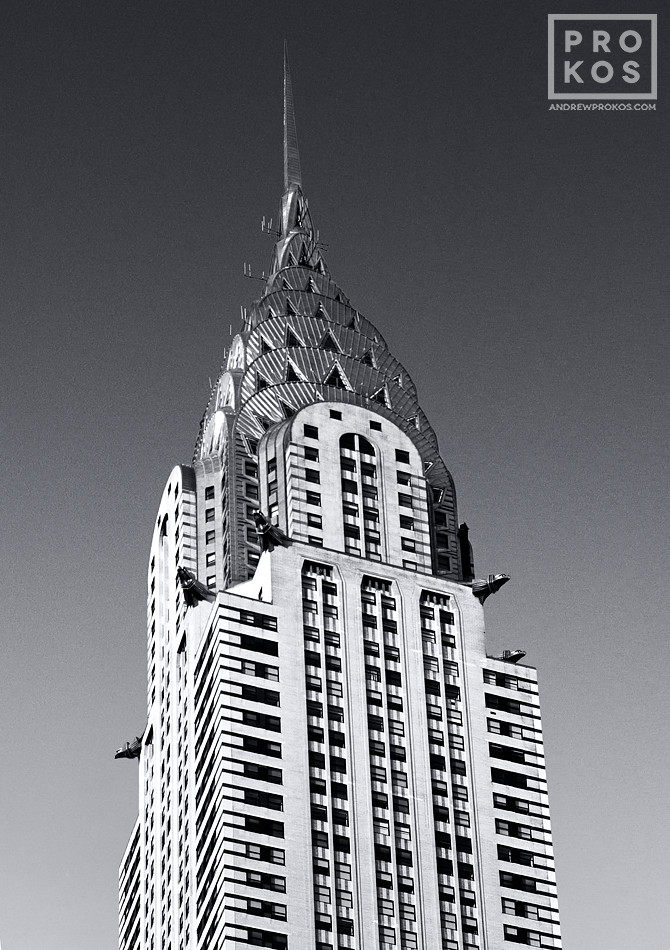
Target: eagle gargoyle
[(483, 589)]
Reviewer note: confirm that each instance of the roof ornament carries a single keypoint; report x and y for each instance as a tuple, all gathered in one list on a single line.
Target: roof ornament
[(270, 535), (511, 656), (131, 750), (194, 591), (483, 589)]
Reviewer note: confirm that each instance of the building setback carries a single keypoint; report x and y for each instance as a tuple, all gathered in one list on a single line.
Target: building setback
[(330, 758)]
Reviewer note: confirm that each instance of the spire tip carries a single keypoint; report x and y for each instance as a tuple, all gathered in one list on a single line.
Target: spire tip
[(292, 174)]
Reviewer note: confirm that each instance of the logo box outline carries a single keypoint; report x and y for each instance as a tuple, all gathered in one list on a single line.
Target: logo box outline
[(650, 17)]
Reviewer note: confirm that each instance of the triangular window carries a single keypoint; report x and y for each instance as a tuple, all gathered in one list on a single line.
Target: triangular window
[(292, 339), (311, 287), (320, 312), (397, 380), (367, 358), (381, 396), (265, 346), (353, 325), (261, 382), (329, 342), (293, 373), (336, 378), (288, 411), (339, 297), (427, 466), (319, 266), (291, 260), (285, 285), (290, 309), (304, 257), (415, 422)]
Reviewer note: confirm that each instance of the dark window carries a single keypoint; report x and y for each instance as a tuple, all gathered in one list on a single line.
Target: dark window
[(311, 432), (402, 456), (506, 752), (515, 855), (319, 839), (261, 746), (209, 493), (261, 720), (338, 790), (312, 475), (264, 773), (314, 498), (266, 938), (518, 882), (258, 645), (258, 694), (254, 796), (264, 826), (376, 425), (258, 620), (334, 414), (514, 779)]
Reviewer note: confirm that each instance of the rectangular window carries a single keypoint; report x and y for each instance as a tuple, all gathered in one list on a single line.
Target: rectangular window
[(408, 544), (210, 537), (250, 490), (311, 453), (210, 558), (406, 523), (402, 456), (335, 414), (405, 501), (375, 425), (312, 475), (311, 432), (313, 498), (209, 493), (209, 514), (404, 478)]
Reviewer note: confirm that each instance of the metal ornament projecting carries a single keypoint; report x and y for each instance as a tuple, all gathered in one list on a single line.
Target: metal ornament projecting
[(131, 750), (194, 591), (483, 589), (511, 656), (270, 536)]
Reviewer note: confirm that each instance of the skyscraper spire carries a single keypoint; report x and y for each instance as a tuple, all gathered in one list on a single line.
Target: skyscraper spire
[(291, 155)]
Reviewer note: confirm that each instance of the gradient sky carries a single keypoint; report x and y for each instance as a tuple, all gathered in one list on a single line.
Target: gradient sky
[(515, 259)]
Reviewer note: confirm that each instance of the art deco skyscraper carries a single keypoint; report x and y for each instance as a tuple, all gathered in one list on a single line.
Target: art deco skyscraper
[(330, 758)]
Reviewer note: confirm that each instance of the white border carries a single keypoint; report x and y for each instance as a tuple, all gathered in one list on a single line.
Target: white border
[(552, 17)]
